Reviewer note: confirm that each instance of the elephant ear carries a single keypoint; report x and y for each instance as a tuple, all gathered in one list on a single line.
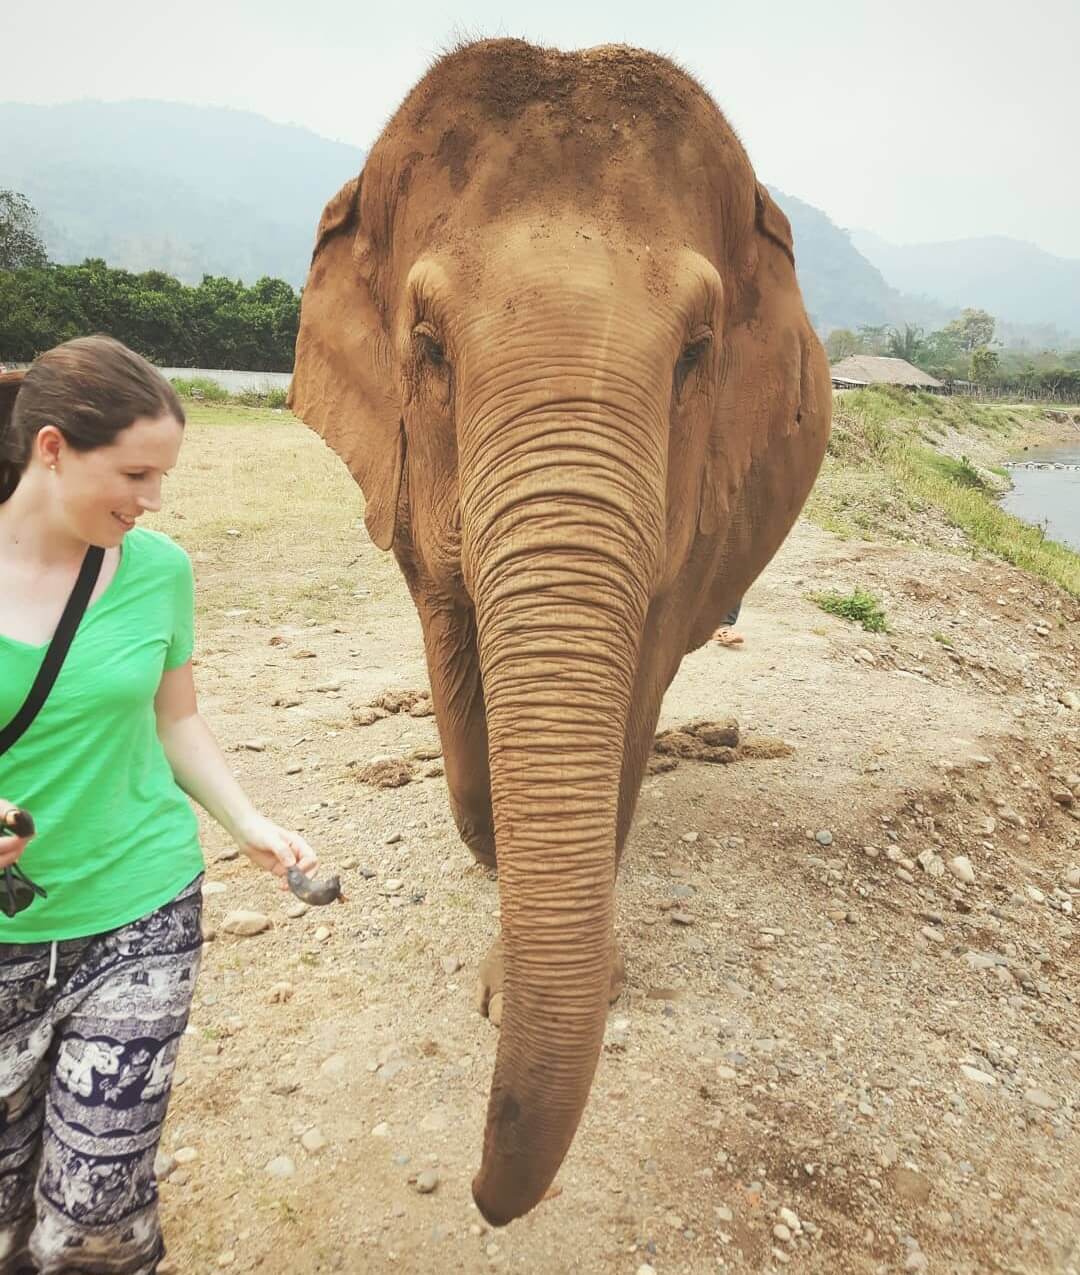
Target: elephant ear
[(767, 364), (772, 222), (344, 384)]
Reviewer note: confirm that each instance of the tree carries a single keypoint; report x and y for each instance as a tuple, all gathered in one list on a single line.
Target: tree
[(841, 343), (984, 364), (220, 323), (907, 344), (20, 245), (875, 339), (972, 331)]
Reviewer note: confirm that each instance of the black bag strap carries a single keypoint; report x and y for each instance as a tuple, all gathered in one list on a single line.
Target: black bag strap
[(58, 649)]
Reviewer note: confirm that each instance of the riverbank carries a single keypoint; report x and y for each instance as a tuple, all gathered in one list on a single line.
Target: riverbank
[(922, 469)]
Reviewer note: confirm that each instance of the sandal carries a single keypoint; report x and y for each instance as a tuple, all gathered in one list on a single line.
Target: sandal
[(727, 637)]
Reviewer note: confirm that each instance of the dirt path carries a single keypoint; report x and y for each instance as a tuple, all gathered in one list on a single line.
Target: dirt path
[(887, 1052)]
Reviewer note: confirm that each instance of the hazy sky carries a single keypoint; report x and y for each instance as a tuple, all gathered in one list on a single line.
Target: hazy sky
[(918, 121)]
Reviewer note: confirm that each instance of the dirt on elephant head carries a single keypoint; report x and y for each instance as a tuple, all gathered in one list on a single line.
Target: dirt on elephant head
[(558, 122), (505, 76)]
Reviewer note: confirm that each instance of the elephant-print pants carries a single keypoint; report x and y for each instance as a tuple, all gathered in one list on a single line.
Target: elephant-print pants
[(85, 1076)]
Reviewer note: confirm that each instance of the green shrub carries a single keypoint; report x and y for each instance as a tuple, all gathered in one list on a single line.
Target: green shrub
[(859, 607), (967, 475), (200, 387), (963, 472)]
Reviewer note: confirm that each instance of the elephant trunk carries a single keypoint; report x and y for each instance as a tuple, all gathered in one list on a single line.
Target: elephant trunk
[(561, 542)]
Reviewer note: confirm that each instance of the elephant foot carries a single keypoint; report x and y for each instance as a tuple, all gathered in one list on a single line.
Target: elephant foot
[(479, 837), (484, 852), (489, 993)]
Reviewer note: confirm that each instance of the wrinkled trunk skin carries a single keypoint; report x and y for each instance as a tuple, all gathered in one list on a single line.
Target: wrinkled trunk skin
[(561, 536)]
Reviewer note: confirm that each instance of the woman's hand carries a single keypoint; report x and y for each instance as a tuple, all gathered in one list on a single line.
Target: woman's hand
[(11, 847), (275, 849)]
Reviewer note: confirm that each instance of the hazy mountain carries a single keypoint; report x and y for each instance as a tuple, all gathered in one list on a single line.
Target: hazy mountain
[(198, 190), (187, 189), (840, 287), (1016, 281)]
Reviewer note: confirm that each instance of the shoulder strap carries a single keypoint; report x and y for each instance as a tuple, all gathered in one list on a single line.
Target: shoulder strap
[(58, 648)]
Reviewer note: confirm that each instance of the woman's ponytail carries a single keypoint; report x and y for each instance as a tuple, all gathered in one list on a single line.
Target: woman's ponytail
[(10, 466)]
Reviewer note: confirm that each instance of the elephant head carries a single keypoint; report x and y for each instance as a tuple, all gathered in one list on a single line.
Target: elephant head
[(554, 331)]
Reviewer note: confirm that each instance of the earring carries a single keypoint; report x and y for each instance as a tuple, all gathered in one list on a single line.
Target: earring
[(53, 466)]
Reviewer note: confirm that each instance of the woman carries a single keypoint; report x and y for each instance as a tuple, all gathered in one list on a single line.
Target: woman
[(96, 976)]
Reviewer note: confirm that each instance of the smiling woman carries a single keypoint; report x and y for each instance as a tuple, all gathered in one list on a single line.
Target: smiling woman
[(88, 391), (99, 948)]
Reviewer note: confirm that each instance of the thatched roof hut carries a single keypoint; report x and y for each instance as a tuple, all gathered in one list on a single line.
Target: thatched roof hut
[(860, 370)]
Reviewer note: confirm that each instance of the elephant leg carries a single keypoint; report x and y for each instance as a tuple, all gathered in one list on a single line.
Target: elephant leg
[(458, 696), (489, 985), (660, 660)]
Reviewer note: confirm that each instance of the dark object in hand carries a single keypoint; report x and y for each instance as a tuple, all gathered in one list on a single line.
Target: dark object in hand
[(17, 891), (18, 823), (317, 892)]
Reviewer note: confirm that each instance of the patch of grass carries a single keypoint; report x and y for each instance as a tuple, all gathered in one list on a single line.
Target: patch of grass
[(988, 527), (200, 388), (272, 398), (858, 607), (893, 407), (881, 477), (272, 519), (861, 501), (967, 475), (286, 1212), (232, 412), (961, 471)]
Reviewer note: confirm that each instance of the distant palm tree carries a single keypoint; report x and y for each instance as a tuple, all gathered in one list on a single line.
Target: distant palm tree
[(906, 345)]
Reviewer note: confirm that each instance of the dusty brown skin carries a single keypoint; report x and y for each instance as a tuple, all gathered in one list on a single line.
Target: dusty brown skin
[(554, 330)]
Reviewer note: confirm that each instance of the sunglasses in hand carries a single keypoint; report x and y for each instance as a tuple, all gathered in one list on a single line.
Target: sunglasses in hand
[(17, 891)]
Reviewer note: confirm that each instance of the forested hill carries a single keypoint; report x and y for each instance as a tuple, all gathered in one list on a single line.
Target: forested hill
[(185, 189)]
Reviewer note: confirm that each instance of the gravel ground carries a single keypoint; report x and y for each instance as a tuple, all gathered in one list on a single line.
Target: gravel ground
[(849, 1038)]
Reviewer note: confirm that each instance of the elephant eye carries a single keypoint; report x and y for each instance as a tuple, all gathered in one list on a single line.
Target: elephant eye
[(428, 344), (693, 354)]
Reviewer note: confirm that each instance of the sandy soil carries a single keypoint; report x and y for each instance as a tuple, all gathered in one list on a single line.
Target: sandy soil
[(845, 1030)]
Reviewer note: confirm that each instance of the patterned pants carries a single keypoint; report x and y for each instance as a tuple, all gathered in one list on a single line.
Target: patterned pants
[(85, 1075)]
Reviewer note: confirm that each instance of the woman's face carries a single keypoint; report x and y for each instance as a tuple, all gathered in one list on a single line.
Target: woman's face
[(103, 492)]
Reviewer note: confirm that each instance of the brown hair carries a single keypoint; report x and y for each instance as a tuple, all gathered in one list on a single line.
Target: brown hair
[(91, 389)]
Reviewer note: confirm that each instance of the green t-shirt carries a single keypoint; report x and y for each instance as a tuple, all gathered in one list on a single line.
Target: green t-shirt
[(116, 838)]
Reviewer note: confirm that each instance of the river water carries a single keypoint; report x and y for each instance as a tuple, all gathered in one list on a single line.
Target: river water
[(1050, 496)]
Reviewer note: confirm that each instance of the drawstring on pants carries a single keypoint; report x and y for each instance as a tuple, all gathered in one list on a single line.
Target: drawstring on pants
[(51, 980)]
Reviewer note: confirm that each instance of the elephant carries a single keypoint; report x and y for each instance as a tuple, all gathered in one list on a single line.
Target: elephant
[(553, 329)]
